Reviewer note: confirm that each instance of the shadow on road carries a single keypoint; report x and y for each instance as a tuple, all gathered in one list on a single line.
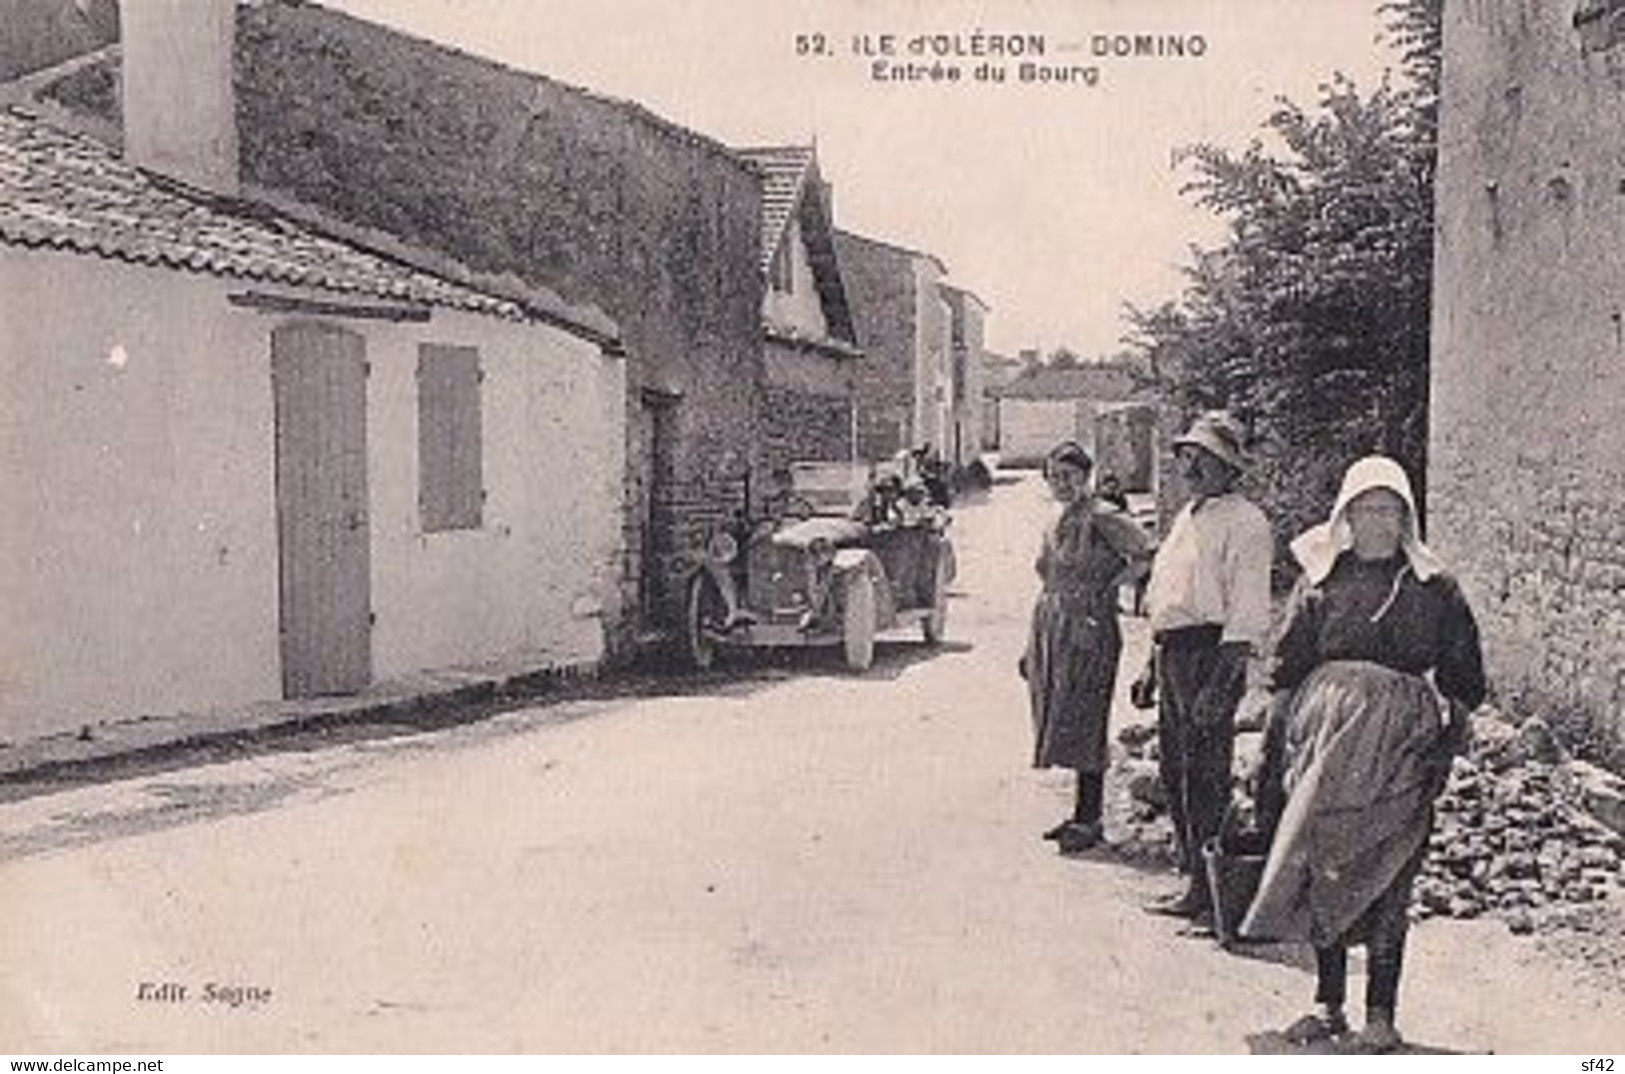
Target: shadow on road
[(1271, 1042), (742, 675), (739, 674), (1298, 956), (1132, 851)]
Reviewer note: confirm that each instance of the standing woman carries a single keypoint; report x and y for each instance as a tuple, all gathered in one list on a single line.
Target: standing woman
[(1380, 654), (1071, 659)]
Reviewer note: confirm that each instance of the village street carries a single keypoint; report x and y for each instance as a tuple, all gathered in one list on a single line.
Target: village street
[(787, 859)]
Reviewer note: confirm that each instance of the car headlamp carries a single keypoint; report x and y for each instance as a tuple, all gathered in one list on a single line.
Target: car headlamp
[(721, 547)]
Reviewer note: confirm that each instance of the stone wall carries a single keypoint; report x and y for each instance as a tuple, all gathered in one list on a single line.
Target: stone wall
[(969, 376), (880, 285), (802, 427), (1527, 459), (934, 404)]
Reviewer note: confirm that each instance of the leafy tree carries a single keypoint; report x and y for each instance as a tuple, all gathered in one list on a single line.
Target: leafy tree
[(1311, 321)]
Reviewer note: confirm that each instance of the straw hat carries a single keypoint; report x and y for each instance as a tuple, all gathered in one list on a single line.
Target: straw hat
[(1070, 452), (1220, 435)]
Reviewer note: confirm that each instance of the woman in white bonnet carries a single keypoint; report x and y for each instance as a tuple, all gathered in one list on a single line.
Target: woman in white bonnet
[(1375, 634)]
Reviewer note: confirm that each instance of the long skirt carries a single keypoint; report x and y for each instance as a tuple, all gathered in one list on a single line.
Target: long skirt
[(1359, 802), (1072, 656)]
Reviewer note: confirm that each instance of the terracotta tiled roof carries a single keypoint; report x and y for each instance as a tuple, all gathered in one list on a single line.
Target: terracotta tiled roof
[(64, 191), (783, 169)]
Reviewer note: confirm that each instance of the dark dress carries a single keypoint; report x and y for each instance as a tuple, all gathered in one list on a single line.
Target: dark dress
[(1073, 649), (1355, 756)]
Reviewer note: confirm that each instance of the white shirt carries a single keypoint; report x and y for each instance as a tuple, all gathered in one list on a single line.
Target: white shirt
[(1213, 568)]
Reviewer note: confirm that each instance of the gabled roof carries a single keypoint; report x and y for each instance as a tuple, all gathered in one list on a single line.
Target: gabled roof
[(309, 145), (793, 189), (895, 248), (784, 170), (965, 292), (68, 192), (1104, 383)]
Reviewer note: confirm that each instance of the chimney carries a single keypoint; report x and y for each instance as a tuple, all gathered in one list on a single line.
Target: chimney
[(180, 112)]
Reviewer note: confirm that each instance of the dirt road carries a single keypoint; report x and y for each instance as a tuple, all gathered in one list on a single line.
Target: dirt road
[(791, 860)]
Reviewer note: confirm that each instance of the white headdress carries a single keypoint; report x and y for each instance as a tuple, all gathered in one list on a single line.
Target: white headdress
[(1318, 547)]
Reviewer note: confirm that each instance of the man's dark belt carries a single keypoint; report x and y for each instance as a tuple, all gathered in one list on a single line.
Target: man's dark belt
[(1204, 636)]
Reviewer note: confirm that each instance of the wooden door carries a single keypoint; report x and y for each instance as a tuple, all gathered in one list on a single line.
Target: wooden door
[(324, 541), (656, 434)]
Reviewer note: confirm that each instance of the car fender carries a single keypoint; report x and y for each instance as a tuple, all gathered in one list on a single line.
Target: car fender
[(852, 560), (848, 560)]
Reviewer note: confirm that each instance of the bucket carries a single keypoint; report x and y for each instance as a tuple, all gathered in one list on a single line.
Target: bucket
[(1233, 874)]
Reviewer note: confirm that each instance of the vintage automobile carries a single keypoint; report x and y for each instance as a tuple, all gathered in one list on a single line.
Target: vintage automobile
[(854, 552)]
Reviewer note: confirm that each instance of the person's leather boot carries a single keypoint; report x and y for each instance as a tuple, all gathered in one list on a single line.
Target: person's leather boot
[(1187, 904)]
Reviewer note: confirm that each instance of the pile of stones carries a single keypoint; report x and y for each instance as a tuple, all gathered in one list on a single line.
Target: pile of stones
[(1512, 839)]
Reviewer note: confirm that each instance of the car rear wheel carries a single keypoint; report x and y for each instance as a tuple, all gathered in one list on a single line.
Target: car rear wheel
[(703, 617), (858, 621), (935, 623)]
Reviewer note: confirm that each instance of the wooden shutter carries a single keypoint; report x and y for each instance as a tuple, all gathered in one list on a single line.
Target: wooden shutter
[(451, 489)]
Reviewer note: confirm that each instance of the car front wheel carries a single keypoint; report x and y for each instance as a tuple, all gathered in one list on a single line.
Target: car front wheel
[(703, 617), (935, 623), (858, 622)]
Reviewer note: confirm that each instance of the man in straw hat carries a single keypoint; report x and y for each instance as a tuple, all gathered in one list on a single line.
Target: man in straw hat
[(1209, 605)]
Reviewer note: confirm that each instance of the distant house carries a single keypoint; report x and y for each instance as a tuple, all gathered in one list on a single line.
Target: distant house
[(904, 327), (997, 371), (244, 460), (811, 350), (1049, 403), (517, 175), (1526, 454), (968, 315)]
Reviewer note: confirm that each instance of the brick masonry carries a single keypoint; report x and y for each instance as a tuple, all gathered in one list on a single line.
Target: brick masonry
[(799, 426), (806, 412), (1527, 457)]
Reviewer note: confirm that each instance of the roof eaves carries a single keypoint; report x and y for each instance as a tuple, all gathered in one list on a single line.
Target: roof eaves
[(232, 236), (538, 302), (966, 292), (823, 344)]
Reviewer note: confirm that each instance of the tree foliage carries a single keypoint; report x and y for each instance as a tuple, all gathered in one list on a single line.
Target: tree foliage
[(1311, 319)]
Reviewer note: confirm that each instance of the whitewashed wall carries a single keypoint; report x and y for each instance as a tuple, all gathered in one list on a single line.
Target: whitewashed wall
[(138, 558)]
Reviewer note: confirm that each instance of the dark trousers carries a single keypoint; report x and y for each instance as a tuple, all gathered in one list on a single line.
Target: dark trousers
[(1091, 800), (1196, 743), (1383, 928)]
